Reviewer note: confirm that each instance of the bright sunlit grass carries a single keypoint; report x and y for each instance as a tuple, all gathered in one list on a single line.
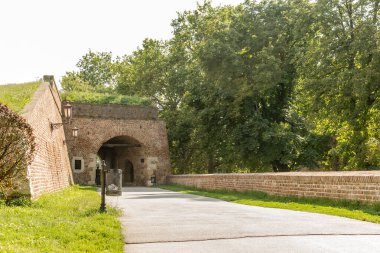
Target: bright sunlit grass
[(67, 221), (17, 96), (343, 208)]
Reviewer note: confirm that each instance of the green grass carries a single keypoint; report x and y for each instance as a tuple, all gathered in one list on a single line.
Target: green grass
[(67, 221), (343, 208), (104, 98), (17, 96)]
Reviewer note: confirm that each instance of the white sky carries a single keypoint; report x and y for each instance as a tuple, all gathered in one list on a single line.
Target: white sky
[(49, 36)]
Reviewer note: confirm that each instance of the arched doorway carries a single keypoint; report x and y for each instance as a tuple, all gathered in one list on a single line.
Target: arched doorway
[(128, 173), (124, 153)]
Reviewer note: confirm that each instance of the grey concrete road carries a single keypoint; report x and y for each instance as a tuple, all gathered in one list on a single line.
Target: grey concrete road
[(160, 221)]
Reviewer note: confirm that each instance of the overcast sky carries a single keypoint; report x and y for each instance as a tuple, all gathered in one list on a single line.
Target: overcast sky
[(49, 36)]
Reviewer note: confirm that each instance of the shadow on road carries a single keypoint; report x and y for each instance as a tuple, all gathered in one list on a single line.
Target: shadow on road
[(144, 193)]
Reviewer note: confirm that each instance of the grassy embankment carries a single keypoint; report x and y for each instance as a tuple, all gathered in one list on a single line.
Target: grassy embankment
[(66, 221), (17, 96), (343, 208)]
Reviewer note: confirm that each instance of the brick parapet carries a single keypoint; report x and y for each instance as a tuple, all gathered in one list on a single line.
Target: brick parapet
[(114, 111), (359, 185)]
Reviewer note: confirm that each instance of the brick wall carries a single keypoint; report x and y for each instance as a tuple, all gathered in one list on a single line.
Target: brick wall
[(113, 111), (50, 169), (358, 185), (98, 124)]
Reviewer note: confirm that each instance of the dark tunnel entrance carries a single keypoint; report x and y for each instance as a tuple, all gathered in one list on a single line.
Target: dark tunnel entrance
[(124, 153)]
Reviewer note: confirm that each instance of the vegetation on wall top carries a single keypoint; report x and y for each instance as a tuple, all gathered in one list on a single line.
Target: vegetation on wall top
[(17, 96), (104, 98)]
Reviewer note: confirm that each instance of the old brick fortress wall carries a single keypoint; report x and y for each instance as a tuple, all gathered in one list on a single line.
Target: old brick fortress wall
[(50, 169), (138, 126), (359, 185)]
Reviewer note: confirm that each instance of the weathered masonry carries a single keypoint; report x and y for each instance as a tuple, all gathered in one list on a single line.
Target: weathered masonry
[(352, 185), (130, 138), (50, 168)]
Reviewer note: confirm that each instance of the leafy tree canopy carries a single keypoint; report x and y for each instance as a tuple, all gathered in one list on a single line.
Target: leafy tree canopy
[(270, 85)]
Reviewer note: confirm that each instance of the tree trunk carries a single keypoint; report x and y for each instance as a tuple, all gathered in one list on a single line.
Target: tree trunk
[(211, 163), (280, 167)]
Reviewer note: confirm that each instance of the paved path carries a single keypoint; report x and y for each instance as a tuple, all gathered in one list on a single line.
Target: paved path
[(160, 221)]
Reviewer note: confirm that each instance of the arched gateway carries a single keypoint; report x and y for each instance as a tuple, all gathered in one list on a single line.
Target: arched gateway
[(130, 138)]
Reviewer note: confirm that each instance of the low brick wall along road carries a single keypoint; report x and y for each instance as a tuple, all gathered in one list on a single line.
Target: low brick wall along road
[(357, 185)]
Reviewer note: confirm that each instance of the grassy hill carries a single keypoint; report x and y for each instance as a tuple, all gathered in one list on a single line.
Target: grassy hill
[(17, 96)]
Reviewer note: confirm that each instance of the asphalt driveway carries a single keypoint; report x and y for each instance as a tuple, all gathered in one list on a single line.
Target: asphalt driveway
[(161, 221)]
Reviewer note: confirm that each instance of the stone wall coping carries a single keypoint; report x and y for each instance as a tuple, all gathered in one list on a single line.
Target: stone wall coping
[(311, 173), (121, 119), (330, 176), (112, 105)]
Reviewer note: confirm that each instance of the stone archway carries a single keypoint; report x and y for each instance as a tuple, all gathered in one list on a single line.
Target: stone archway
[(102, 125), (124, 153)]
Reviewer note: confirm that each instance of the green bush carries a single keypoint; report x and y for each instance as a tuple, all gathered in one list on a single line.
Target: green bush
[(17, 146), (19, 201), (2, 200)]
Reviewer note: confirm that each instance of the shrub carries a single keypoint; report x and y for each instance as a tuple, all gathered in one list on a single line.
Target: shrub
[(17, 147), (19, 201)]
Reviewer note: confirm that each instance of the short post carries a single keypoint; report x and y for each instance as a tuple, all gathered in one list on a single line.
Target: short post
[(97, 173), (103, 208), (153, 180)]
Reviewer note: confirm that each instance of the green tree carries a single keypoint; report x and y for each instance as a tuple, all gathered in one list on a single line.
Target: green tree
[(245, 57), (338, 85), (144, 72), (95, 68), (72, 81)]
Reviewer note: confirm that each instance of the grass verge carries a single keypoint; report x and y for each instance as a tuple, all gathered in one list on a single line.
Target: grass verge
[(17, 96), (343, 208), (66, 221)]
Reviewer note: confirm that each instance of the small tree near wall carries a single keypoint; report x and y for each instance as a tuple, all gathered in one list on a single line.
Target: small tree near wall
[(17, 147)]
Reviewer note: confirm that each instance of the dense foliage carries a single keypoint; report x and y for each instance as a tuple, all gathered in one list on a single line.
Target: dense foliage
[(275, 85), (16, 149)]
